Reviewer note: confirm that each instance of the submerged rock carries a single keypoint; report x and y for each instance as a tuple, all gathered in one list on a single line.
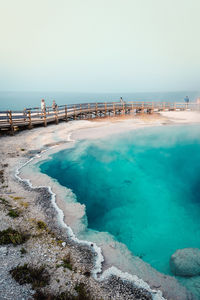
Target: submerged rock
[(192, 284), (186, 262)]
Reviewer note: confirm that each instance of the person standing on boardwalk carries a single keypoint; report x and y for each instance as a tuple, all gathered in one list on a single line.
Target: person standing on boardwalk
[(54, 105), (43, 106), (186, 99), (122, 100)]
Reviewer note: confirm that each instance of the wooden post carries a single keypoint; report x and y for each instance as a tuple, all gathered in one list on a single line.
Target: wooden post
[(80, 111), (11, 122), (25, 114), (66, 113), (56, 116), (74, 112), (152, 110), (89, 110), (123, 108), (30, 122), (114, 112), (7, 116), (45, 119), (96, 109)]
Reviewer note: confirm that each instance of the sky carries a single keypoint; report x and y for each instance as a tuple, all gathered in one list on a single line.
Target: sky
[(99, 45)]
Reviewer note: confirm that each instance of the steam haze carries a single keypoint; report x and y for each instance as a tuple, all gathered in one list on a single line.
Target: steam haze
[(99, 46)]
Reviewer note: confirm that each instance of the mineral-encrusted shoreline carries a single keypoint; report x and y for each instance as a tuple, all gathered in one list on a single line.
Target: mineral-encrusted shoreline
[(68, 263)]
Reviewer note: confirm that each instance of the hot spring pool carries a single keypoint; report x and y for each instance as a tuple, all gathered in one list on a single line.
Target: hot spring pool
[(143, 187)]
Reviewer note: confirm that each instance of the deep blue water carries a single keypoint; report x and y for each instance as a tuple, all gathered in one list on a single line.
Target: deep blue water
[(20, 100), (143, 187)]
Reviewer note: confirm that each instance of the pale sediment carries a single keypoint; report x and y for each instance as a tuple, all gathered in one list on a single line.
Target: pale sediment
[(86, 258)]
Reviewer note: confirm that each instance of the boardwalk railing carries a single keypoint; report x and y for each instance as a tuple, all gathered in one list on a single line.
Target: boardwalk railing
[(29, 117)]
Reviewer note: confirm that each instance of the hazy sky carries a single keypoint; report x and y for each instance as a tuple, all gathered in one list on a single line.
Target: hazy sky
[(100, 45)]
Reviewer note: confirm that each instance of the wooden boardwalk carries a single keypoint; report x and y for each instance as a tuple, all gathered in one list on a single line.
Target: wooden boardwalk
[(28, 118)]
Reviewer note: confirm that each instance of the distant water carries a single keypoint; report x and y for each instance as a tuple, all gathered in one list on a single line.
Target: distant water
[(20, 100), (142, 187)]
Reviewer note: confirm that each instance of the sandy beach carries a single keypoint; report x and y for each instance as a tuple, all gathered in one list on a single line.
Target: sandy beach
[(107, 269)]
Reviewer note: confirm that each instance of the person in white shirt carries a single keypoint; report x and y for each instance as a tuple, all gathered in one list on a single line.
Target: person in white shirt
[(43, 105)]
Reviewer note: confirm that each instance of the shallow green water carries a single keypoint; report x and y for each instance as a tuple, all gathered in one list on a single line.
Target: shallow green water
[(142, 187)]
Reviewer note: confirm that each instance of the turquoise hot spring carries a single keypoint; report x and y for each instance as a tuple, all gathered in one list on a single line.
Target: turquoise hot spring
[(142, 187)]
